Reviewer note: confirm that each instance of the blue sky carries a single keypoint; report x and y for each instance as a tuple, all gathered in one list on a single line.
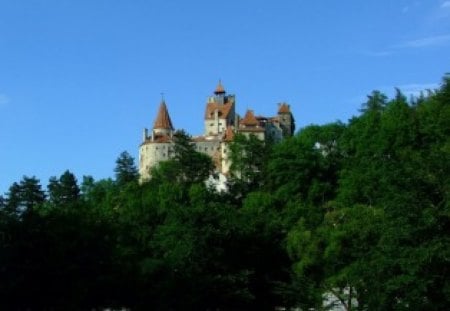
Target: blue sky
[(79, 79)]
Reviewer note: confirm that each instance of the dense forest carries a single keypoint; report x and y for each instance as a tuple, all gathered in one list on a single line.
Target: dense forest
[(355, 214)]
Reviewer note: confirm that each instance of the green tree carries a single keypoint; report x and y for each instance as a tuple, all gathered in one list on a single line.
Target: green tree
[(125, 169), (193, 166), (63, 191), (248, 156), (376, 102), (25, 196)]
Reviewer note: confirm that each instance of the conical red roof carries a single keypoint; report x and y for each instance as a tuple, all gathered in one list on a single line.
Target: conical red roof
[(249, 119), (163, 120), (219, 89)]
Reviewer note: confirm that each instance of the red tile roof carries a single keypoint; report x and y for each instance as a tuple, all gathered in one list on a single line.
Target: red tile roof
[(249, 119), (158, 139), (284, 108), (163, 120), (224, 110)]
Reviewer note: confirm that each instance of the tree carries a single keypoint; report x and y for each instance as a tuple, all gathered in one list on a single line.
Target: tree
[(376, 102), (25, 196), (125, 169), (64, 190), (195, 166), (248, 158)]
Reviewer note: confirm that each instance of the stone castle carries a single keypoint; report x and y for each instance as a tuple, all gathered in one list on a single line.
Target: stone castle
[(221, 124)]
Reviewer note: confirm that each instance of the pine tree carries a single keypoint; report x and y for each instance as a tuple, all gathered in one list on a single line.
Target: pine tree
[(64, 190), (125, 169)]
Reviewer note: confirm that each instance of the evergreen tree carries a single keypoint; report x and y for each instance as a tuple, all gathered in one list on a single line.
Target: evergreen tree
[(64, 190), (23, 197), (125, 169)]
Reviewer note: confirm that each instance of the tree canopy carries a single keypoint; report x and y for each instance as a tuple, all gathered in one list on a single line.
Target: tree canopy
[(352, 215)]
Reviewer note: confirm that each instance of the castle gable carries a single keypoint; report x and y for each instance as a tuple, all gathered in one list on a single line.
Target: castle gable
[(224, 109)]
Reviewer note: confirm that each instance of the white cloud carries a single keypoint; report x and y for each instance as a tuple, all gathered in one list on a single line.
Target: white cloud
[(445, 4), (432, 41), (425, 42), (4, 100)]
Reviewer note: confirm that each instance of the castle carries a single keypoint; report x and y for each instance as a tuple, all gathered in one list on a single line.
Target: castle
[(221, 124)]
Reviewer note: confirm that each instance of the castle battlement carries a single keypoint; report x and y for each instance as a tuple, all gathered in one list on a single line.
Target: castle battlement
[(221, 124)]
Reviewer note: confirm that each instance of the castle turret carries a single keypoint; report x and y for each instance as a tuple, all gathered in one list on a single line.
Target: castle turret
[(158, 146), (219, 112), (286, 119), (163, 124)]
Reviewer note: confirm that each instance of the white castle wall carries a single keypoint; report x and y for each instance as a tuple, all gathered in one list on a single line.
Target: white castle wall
[(215, 126), (225, 154), (150, 154)]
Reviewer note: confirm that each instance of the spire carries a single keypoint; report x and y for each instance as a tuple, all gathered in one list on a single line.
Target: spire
[(219, 89), (163, 120)]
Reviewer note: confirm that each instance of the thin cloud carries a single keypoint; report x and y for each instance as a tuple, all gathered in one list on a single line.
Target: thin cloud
[(428, 42), (425, 42), (445, 4), (4, 100)]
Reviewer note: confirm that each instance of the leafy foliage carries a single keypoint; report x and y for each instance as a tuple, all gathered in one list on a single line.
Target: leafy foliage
[(353, 215)]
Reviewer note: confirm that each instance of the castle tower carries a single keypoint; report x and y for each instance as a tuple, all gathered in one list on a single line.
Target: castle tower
[(158, 146), (163, 124), (286, 119), (220, 112)]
